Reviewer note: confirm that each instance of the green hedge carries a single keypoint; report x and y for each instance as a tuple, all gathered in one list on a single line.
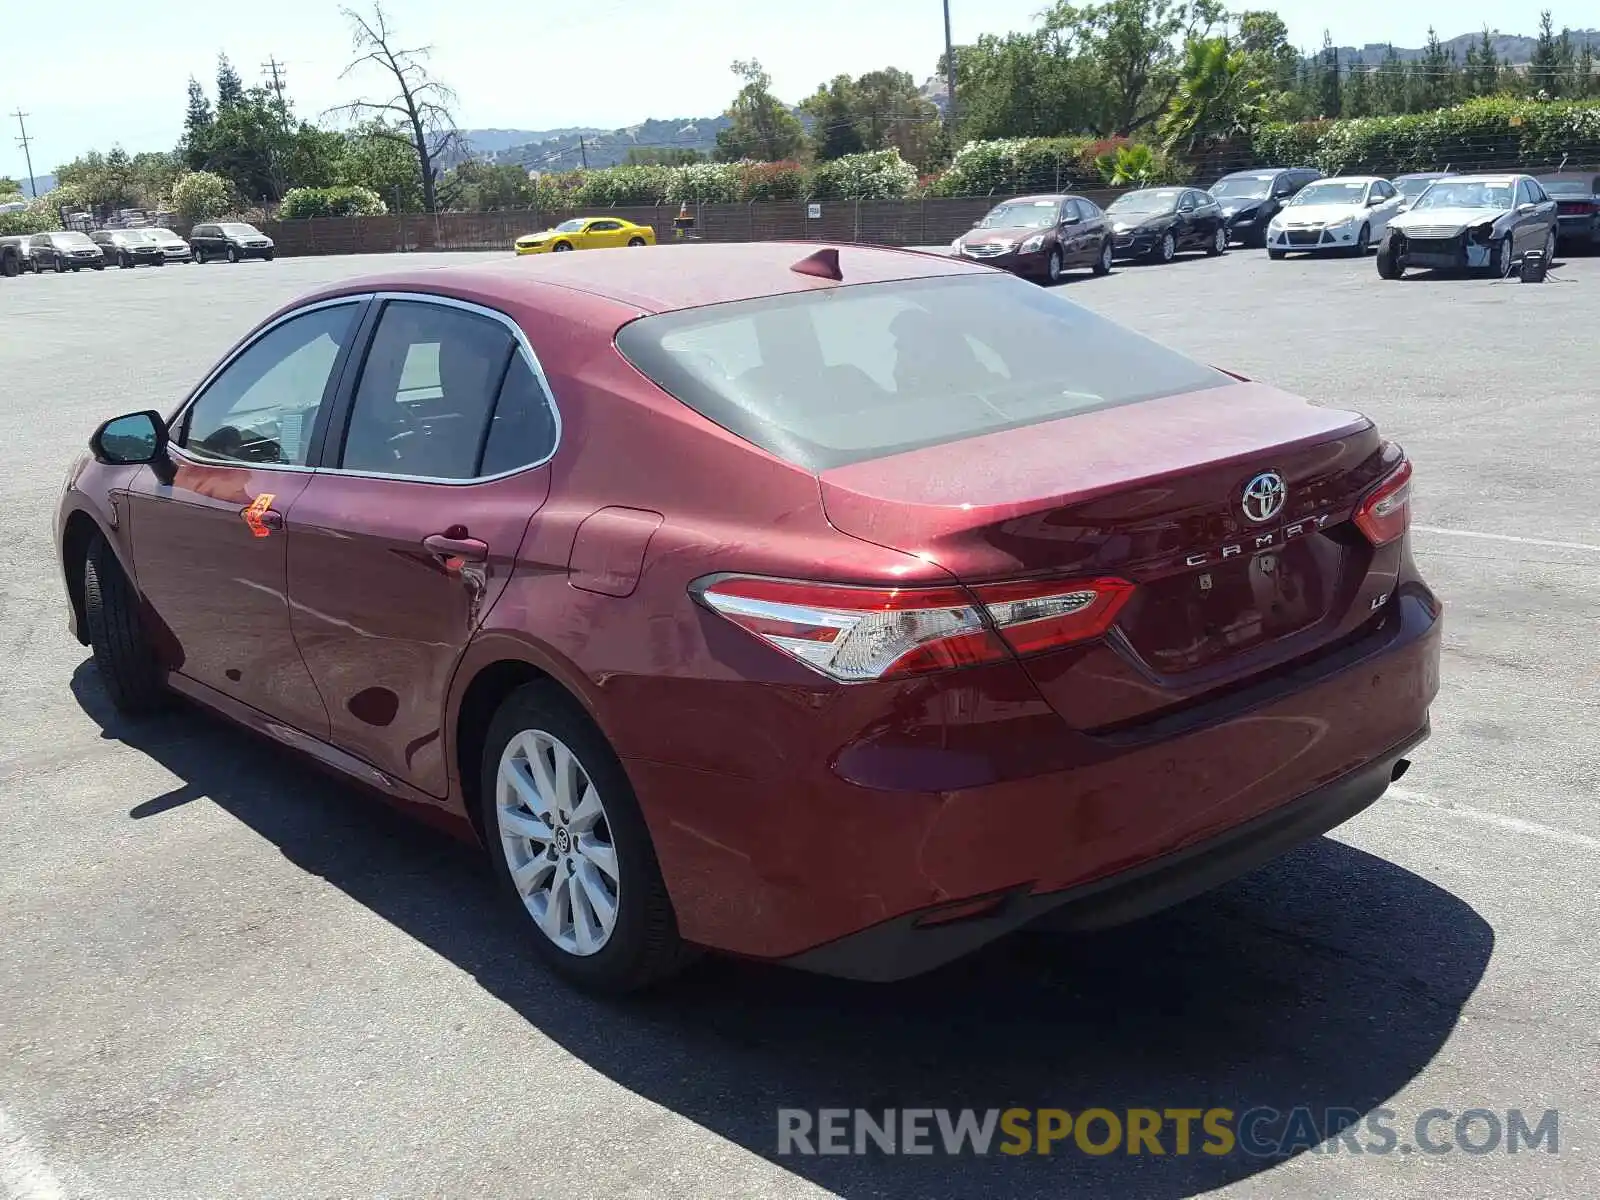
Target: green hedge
[(1482, 134), (300, 203), (877, 175)]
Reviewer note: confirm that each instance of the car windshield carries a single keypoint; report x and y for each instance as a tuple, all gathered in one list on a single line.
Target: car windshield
[(1147, 200), (241, 230), (1332, 191), (573, 226), (1412, 188), (1026, 214), (827, 378), (73, 241), (1567, 187), (134, 237), (163, 235), (1255, 187), (1467, 194)]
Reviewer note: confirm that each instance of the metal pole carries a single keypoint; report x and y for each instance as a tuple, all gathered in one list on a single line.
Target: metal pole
[(949, 74)]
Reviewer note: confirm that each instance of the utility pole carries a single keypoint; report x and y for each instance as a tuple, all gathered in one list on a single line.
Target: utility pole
[(949, 76), (583, 153), (27, 155), (276, 71)]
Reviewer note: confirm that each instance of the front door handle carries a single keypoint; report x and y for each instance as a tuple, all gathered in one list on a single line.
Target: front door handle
[(446, 545)]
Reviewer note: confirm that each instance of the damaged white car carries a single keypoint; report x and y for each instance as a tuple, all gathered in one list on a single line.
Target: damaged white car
[(1471, 222)]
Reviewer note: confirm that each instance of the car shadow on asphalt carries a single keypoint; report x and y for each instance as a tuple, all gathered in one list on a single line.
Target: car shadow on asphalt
[(1328, 979)]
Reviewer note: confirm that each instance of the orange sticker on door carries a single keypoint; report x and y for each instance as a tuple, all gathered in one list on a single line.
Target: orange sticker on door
[(258, 509)]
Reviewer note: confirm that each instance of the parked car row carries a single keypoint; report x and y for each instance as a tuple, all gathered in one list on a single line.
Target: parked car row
[(1432, 218), (70, 250)]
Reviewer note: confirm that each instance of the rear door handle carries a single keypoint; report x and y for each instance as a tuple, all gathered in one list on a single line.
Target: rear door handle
[(468, 549)]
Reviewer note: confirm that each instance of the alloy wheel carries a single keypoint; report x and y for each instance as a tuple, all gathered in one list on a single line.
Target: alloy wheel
[(1220, 239), (1105, 256), (557, 842), (1169, 247), (1055, 266), (1506, 262)]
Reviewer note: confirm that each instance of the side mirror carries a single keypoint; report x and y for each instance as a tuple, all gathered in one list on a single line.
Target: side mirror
[(1072, 219), (1374, 201), (1403, 206), (978, 224), (1525, 209), (130, 440)]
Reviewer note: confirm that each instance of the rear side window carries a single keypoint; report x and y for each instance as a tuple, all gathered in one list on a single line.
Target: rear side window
[(827, 378), (445, 393)]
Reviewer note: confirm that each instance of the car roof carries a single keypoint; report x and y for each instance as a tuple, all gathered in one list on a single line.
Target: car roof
[(1574, 176), (667, 278), (1039, 199), (1262, 172), (1488, 178), (1349, 179)]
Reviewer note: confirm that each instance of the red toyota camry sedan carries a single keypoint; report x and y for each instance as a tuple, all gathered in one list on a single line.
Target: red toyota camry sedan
[(847, 608)]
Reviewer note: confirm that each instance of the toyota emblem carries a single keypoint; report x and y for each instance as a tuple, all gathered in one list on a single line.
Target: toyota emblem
[(1264, 496)]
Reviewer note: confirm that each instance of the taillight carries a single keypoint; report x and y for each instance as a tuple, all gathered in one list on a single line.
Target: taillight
[(861, 633), (1385, 514)]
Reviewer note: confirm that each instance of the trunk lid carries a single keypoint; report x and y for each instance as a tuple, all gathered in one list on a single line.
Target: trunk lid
[(1152, 492)]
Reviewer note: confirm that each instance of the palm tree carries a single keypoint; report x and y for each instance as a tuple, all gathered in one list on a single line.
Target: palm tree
[(1217, 96)]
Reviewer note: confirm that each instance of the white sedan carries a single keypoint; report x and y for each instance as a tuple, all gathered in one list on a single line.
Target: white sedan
[(1348, 214)]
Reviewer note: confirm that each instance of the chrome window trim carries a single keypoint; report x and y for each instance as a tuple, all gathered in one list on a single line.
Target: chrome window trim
[(533, 363), (357, 299)]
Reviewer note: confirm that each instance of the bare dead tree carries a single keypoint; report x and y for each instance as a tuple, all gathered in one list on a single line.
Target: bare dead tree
[(420, 107)]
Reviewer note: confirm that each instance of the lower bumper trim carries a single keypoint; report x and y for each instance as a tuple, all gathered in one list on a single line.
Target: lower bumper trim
[(916, 942)]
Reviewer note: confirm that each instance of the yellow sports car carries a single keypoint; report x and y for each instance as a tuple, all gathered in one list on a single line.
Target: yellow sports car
[(587, 233)]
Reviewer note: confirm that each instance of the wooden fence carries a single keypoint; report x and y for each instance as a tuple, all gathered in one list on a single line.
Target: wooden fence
[(926, 222)]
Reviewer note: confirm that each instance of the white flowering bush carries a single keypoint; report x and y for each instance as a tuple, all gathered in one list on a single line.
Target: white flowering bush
[(704, 183), (875, 175)]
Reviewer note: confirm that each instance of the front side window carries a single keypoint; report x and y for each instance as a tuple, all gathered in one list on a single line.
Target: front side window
[(262, 408), (427, 394), (827, 378)]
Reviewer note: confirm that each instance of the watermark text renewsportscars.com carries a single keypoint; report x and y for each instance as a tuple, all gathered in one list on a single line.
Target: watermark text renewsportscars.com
[(1259, 1132)]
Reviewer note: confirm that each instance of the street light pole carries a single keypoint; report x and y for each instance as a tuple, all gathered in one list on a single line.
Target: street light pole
[(949, 73)]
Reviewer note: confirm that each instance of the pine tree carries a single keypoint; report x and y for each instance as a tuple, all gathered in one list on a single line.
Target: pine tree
[(1391, 85), (1330, 100), (199, 116), (230, 88), (1357, 89), (1544, 67), (1482, 76)]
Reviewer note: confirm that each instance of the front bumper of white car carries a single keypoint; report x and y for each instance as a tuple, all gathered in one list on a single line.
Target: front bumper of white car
[(1311, 237)]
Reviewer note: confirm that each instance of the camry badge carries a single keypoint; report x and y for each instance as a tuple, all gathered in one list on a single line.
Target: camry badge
[(1264, 496)]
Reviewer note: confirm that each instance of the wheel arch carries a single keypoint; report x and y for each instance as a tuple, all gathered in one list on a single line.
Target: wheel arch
[(77, 533), (494, 668)]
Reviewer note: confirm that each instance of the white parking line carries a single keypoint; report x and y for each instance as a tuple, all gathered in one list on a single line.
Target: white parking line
[(1549, 833), (1507, 537), (23, 1173)]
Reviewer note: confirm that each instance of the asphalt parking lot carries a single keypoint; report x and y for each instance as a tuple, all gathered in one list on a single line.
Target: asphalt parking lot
[(224, 975)]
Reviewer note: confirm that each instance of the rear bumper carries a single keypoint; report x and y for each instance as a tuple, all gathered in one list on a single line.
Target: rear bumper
[(909, 945), (818, 842)]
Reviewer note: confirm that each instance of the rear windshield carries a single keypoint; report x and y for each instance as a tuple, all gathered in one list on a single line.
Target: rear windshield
[(823, 379), (1567, 187)]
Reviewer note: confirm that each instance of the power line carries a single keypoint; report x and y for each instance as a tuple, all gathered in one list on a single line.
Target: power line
[(27, 155)]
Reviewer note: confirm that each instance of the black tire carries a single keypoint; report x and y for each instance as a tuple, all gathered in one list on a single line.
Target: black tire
[(61, 267), (644, 946), (160, 262), (123, 653), (1053, 265), (10, 265), (1219, 241), (99, 266), (636, 241), (561, 247), (1275, 255), (1102, 264), (233, 254), (1388, 263), (267, 257), (199, 256), (1501, 259), (1165, 250), (1363, 242)]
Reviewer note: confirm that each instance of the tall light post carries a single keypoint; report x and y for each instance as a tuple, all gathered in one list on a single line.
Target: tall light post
[(949, 74)]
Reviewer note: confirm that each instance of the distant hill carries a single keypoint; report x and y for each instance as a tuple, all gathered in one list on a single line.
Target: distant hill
[(564, 149), (43, 183), (1508, 47), (486, 143)]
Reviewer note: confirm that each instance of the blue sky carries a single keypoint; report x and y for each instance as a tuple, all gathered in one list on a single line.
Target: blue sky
[(592, 62)]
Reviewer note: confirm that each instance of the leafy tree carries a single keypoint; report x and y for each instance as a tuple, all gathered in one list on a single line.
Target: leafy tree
[(9, 187), (1026, 84), (485, 187), (762, 127), (1134, 46), (197, 124), (1330, 97), (200, 196), (1273, 62), (1391, 84), (419, 108), (833, 109), (893, 114), (382, 158)]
